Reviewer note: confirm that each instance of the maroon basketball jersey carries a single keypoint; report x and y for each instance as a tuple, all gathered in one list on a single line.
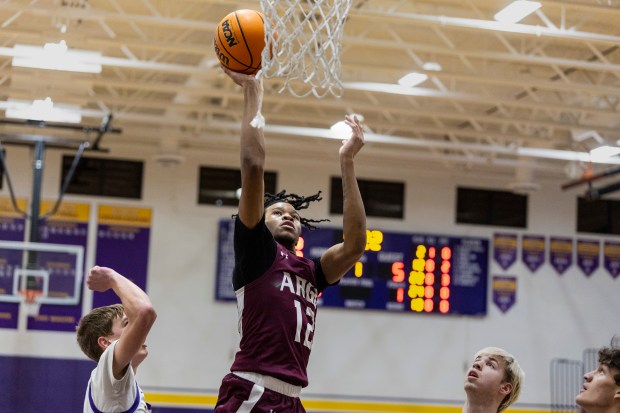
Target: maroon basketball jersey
[(277, 313)]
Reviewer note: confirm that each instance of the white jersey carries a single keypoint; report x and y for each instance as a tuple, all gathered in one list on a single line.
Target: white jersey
[(105, 394)]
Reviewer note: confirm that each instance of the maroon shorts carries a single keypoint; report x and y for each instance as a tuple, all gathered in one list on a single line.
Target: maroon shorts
[(238, 395)]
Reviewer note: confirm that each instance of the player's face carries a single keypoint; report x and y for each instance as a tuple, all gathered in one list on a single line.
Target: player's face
[(485, 378), (118, 326), (284, 223), (599, 391)]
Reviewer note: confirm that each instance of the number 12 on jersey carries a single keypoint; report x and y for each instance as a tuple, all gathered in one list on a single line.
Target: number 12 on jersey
[(309, 325)]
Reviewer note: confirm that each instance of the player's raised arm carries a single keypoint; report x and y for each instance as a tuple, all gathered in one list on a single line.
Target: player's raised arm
[(139, 312), (341, 257), (252, 151)]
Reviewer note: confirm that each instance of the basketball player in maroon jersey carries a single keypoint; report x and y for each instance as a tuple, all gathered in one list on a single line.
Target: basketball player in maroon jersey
[(277, 290)]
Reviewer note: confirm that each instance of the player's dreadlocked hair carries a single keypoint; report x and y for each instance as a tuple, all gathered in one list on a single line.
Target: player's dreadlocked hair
[(298, 202)]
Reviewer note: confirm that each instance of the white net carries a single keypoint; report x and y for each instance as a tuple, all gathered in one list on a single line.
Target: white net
[(31, 302), (32, 309), (302, 44)]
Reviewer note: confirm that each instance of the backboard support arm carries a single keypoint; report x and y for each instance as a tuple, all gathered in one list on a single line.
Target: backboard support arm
[(40, 144)]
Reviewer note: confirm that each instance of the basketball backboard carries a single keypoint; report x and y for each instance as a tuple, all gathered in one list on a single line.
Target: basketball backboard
[(41, 273)]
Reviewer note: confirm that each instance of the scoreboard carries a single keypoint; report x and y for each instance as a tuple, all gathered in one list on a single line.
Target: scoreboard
[(399, 272)]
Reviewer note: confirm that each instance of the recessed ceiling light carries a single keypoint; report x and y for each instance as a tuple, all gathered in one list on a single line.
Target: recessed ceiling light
[(432, 66), (340, 130)]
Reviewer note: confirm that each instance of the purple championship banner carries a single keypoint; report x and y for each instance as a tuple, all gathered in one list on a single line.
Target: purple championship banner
[(533, 251), (611, 257), (12, 228), (68, 226), (504, 291), (560, 253), (123, 235), (505, 249), (588, 255)]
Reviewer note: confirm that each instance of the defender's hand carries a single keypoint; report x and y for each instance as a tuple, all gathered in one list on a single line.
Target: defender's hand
[(101, 278)]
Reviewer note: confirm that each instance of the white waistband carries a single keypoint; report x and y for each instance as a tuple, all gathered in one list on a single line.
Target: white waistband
[(270, 383)]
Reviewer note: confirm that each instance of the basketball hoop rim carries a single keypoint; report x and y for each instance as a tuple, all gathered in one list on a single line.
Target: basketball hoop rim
[(31, 296)]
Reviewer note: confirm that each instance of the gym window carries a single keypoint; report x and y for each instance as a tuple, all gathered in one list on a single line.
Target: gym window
[(104, 177), (600, 216), (491, 207), (219, 186), (381, 198)]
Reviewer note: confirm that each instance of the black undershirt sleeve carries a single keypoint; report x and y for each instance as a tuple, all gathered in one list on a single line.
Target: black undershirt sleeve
[(321, 282), (255, 250)]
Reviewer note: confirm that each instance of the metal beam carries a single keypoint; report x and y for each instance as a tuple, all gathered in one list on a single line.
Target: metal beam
[(527, 152), (471, 98), (395, 17), (98, 15), (327, 104)]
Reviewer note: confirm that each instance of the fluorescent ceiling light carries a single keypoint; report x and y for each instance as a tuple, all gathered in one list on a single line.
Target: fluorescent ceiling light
[(44, 110), (604, 152), (516, 11), (412, 79), (432, 66), (56, 56)]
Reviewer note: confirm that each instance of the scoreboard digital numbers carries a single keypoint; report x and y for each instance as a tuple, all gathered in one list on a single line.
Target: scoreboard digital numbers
[(399, 272)]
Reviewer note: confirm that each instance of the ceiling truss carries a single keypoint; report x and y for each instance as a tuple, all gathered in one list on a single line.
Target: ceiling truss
[(505, 95)]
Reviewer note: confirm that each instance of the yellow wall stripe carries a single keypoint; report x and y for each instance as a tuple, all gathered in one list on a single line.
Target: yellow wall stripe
[(320, 405), (7, 210), (124, 216), (67, 211), (355, 406), (180, 399)]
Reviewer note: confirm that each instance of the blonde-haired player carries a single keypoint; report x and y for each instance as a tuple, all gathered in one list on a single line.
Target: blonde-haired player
[(493, 382)]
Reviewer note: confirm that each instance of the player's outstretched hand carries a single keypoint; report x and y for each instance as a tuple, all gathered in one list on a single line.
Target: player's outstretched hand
[(350, 147), (101, 278), (240, 78)]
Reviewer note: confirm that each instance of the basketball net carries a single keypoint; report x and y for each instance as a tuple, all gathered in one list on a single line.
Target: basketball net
[(31, 305), (302, 44)]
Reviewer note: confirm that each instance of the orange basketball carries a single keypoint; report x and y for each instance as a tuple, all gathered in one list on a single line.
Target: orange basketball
[(240, 40)]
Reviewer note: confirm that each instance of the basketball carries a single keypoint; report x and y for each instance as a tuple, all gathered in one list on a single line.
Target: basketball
[(240, 40)]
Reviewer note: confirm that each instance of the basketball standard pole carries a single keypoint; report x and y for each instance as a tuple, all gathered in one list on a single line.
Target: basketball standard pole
[(37, 179)]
